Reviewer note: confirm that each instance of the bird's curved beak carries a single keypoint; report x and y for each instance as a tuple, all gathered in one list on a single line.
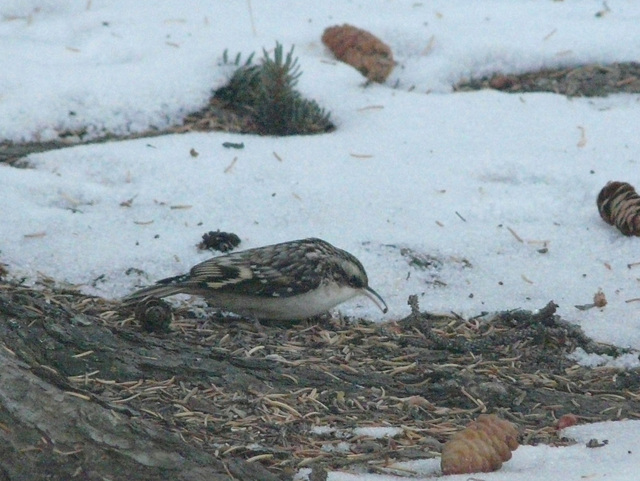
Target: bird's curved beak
[(375, 297)]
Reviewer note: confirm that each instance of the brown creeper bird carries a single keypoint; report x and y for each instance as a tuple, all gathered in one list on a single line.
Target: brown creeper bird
[(292, 280)]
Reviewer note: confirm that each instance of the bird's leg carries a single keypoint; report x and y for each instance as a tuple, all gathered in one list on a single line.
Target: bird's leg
[(259, 327)]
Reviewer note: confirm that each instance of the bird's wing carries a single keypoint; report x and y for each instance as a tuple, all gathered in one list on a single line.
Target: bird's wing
[(237, 275)]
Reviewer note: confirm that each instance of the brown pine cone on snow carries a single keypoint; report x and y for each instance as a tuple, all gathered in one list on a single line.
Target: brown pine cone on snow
[(481, 447), (619, 205), (360, 49)]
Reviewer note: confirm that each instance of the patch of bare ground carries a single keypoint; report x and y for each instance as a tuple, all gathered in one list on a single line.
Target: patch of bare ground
[(215, 116), (227, 394), (582, 81)]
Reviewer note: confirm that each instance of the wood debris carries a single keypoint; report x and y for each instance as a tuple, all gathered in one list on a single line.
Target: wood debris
[(288, 395)]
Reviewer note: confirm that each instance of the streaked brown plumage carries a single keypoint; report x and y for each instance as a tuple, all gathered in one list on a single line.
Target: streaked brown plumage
[(291, 280)]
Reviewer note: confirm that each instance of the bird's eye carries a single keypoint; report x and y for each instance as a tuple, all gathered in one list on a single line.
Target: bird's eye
[(355, 281)]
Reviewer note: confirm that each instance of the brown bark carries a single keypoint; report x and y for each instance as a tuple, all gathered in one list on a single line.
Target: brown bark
[(51, 430), (86, 394)]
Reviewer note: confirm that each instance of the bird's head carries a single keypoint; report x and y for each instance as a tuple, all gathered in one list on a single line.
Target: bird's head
[(349, 271)]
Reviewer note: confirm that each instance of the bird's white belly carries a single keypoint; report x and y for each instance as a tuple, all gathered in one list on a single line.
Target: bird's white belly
[(301, 306)]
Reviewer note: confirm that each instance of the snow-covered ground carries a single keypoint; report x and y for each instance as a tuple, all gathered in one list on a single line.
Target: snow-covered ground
[(482, 181), (613, 455)]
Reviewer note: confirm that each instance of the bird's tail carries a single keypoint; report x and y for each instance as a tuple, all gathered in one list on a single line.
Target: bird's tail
[(157, 290)]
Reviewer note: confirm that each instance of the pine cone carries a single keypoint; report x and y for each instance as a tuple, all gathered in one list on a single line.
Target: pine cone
[(619, 205), (219, 241), (154, 315), (481, 447), (360, 49)]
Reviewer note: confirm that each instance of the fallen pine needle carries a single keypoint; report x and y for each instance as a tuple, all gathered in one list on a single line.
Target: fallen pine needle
[(35, 235), (230, 166), (513, 233), (371, 107)]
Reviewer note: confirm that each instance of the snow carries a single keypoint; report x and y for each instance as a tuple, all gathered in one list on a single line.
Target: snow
[(613, 456), (369, 431), (499, 188), (624, 361)]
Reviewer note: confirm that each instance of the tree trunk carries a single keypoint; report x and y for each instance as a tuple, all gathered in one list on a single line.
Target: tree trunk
[(50, 429), (85, 393)]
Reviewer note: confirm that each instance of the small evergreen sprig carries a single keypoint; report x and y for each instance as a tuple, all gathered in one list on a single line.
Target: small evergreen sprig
[(267, 92)]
